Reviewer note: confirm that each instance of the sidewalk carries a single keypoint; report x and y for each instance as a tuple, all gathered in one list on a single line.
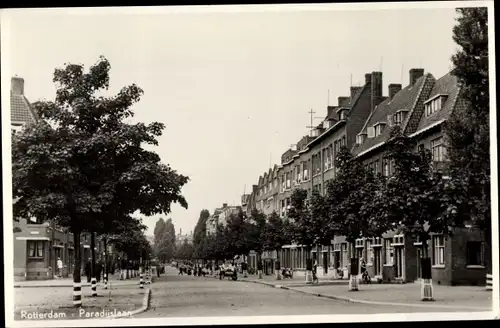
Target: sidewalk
[(298, 280), (68, 282), (57, 303), (464, 298)]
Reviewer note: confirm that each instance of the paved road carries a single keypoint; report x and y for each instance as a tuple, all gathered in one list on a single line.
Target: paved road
[(188, 296)]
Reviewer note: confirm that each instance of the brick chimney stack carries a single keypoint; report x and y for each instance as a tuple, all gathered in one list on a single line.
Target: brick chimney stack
[(415, 74), (393, 89), (376, 89), (342, 100), (368, 78), (353, 91), (17, 85)]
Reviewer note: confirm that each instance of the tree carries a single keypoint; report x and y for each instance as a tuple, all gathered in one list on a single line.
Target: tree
[(82, 166), (158, 234), (257, 223), (347, 195), (274, 234), (467, 130), (411, 199), (301, 230), (185, 251), (199, 233), (166, 245)]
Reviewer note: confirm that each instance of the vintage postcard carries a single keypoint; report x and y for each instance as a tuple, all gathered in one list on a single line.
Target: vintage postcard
[(249, 164)]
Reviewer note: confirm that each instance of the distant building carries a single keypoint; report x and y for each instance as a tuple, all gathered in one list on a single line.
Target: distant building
[(180, 238)]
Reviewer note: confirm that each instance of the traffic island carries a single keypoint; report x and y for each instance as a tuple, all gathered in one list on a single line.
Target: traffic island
[(56, 304)]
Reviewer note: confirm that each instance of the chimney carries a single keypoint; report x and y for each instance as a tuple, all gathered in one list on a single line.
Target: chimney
[(330, 110), (17, 85), (353, 91), (341, 100), (393, 89), (415, 74), (376, 89), (368, 78), (224, 205)]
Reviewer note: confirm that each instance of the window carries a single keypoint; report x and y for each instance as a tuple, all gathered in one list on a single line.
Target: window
[(421, 147), (343, 143), (475, 253), (399, 117), (438, 241), (35, 249), (270, 187), (360, 138), (305, 171), (275, 182), (369, 251), (376, 167), (438, 150), (385, 164), (288, 180), (379, 128), (343, 114), (389, 252), (433, 106), (345, 257)]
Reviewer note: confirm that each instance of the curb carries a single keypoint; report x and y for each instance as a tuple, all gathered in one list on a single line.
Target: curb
[(353, 300), (145, 305), (83, 285)]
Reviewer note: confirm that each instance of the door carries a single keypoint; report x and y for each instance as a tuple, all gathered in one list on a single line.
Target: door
[(419, 263), (325, 262), (399, 260), (377, 260)]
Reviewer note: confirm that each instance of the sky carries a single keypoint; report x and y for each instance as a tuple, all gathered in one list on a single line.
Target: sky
[(233, 88)]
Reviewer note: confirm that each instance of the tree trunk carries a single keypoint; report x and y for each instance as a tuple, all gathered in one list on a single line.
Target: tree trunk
[(77, 279), (92, 267), (277, 268), (105, 244), (426, 291)]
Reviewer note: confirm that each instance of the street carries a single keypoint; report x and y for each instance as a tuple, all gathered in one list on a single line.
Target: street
[(189, 296)]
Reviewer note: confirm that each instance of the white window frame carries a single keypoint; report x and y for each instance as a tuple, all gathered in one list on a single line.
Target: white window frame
[(437, 145), (388, 252), (438, 253)]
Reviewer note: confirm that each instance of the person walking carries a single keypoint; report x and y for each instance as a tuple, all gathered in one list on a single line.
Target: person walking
[(88, 269), (315, 272), (59, 267)]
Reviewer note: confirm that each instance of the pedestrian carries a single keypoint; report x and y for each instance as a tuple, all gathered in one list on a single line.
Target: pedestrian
[(88, 269), (315, 271), (59, 267)]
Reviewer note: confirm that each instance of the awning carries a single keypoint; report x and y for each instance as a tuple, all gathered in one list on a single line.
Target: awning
[(32, 238)]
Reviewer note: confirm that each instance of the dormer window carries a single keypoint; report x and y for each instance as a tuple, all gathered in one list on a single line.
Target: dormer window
[(342, 112), (315, 133), (327, 124), (434, 104), (379, 128), (360, 138), (399, 116)]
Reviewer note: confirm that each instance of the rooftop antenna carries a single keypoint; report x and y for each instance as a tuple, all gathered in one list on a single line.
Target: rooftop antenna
[(351, 81), (311, 127), (402, 65), (381, 62), (244, 188)]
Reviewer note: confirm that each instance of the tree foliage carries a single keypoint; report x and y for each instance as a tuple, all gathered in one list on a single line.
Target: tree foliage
[(347, 197), (301, 231), (467, 129), (199, 234), (410, 200), (185, 251), (274, 234), (82, 165)]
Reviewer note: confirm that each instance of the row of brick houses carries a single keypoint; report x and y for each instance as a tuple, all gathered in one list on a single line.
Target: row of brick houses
[(362, 122), (37, 245)]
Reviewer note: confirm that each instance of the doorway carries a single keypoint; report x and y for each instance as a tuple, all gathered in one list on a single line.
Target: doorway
[(377, 261), (399, 261)]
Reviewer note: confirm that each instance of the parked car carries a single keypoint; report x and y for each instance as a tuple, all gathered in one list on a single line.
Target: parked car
[(228, 271)]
